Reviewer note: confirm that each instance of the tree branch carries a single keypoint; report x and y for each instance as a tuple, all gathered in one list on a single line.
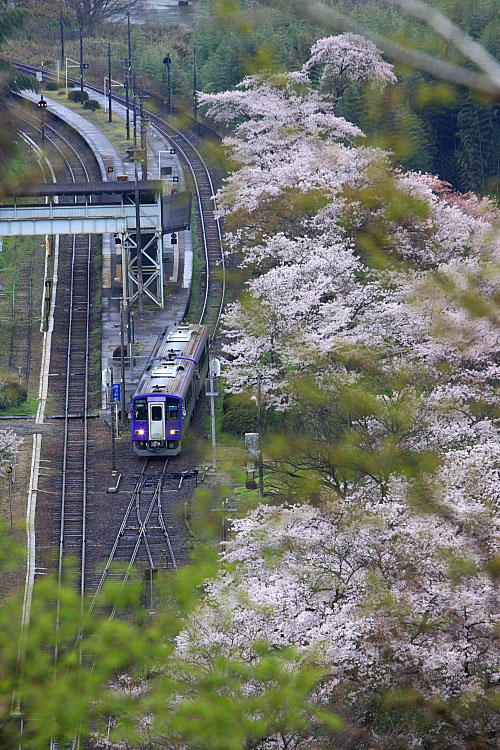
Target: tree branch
[(442, 25), (421, 60)]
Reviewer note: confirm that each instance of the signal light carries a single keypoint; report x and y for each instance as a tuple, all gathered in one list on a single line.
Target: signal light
[(173, 239)]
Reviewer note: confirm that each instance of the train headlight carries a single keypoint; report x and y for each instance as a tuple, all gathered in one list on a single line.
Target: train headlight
[(140, 432), (174, 432)]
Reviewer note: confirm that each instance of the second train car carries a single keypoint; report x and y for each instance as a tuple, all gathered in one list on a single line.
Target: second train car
[(166, 394)]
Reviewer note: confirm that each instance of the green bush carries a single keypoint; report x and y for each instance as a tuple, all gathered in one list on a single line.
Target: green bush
[(240, 416), (92, 104), (238, 421), (53, 86), (11, 394), (77, 96)]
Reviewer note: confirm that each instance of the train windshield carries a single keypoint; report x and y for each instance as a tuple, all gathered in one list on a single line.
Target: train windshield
[(156, 414), (140, 409), (173, 412)]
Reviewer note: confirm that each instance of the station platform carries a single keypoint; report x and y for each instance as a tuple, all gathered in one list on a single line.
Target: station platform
[(178, 259)]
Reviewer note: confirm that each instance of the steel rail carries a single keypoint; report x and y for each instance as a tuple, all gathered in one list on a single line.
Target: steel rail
[(34, 125), (111, 556), (67, 407), (202, 218), (141, 532), (217, 220)]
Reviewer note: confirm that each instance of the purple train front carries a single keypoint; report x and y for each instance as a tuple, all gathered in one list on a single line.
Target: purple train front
[(168, 390)]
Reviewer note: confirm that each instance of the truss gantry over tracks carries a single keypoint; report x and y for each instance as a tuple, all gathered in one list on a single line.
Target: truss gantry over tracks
[(103, 207)]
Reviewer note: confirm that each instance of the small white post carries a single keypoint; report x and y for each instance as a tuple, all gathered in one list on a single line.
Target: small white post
[(211, 389)]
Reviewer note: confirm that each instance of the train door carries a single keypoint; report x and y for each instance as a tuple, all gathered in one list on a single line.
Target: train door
[(156, 420)]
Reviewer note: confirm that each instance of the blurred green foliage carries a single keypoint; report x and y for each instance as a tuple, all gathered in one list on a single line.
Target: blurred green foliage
[(123, 673)]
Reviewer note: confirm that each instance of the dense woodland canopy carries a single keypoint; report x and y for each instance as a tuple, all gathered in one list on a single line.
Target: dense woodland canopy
[(442, 130)]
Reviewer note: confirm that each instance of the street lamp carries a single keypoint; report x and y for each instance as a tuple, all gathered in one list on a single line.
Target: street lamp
[(81, 66), (43, 106), (110, 98), (167, 61)]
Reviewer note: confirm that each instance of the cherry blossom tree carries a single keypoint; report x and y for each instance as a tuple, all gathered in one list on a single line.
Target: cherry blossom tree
[(346, 59), (371, 315), (9, 445), (385, 599)]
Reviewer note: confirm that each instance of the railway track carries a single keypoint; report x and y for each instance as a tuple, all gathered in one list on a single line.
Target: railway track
[(73, 483), (209, 226), (20, 349), (143, 540), (211, 306), (66, 455), (159, 552), (152, 535), (154, 550)]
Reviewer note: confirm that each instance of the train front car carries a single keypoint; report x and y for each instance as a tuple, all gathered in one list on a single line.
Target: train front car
[(167, 392)]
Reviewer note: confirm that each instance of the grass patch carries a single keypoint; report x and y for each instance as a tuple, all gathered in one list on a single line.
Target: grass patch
[(16, 251), (115, 131), (95, 359), (29, 406)]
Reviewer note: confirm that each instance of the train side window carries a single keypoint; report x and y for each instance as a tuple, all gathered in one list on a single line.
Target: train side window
[(140, 409), (172, 409), (189, 394), (203, 357), (156, 413)]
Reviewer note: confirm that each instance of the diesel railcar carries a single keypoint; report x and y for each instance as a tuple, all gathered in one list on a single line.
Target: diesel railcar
[(166, 394)]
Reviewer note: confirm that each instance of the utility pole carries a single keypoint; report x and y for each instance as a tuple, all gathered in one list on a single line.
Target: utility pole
[(127, 77), (129, 47), (127, 112), (134, 104), (212, 391), (61, 31), (112, 414), (195, 89), (259, 428), (8, 471), (144, 132), (81, 65), (138, 239), (110, 114), (122, 368), (144, 142), (131, 341)]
